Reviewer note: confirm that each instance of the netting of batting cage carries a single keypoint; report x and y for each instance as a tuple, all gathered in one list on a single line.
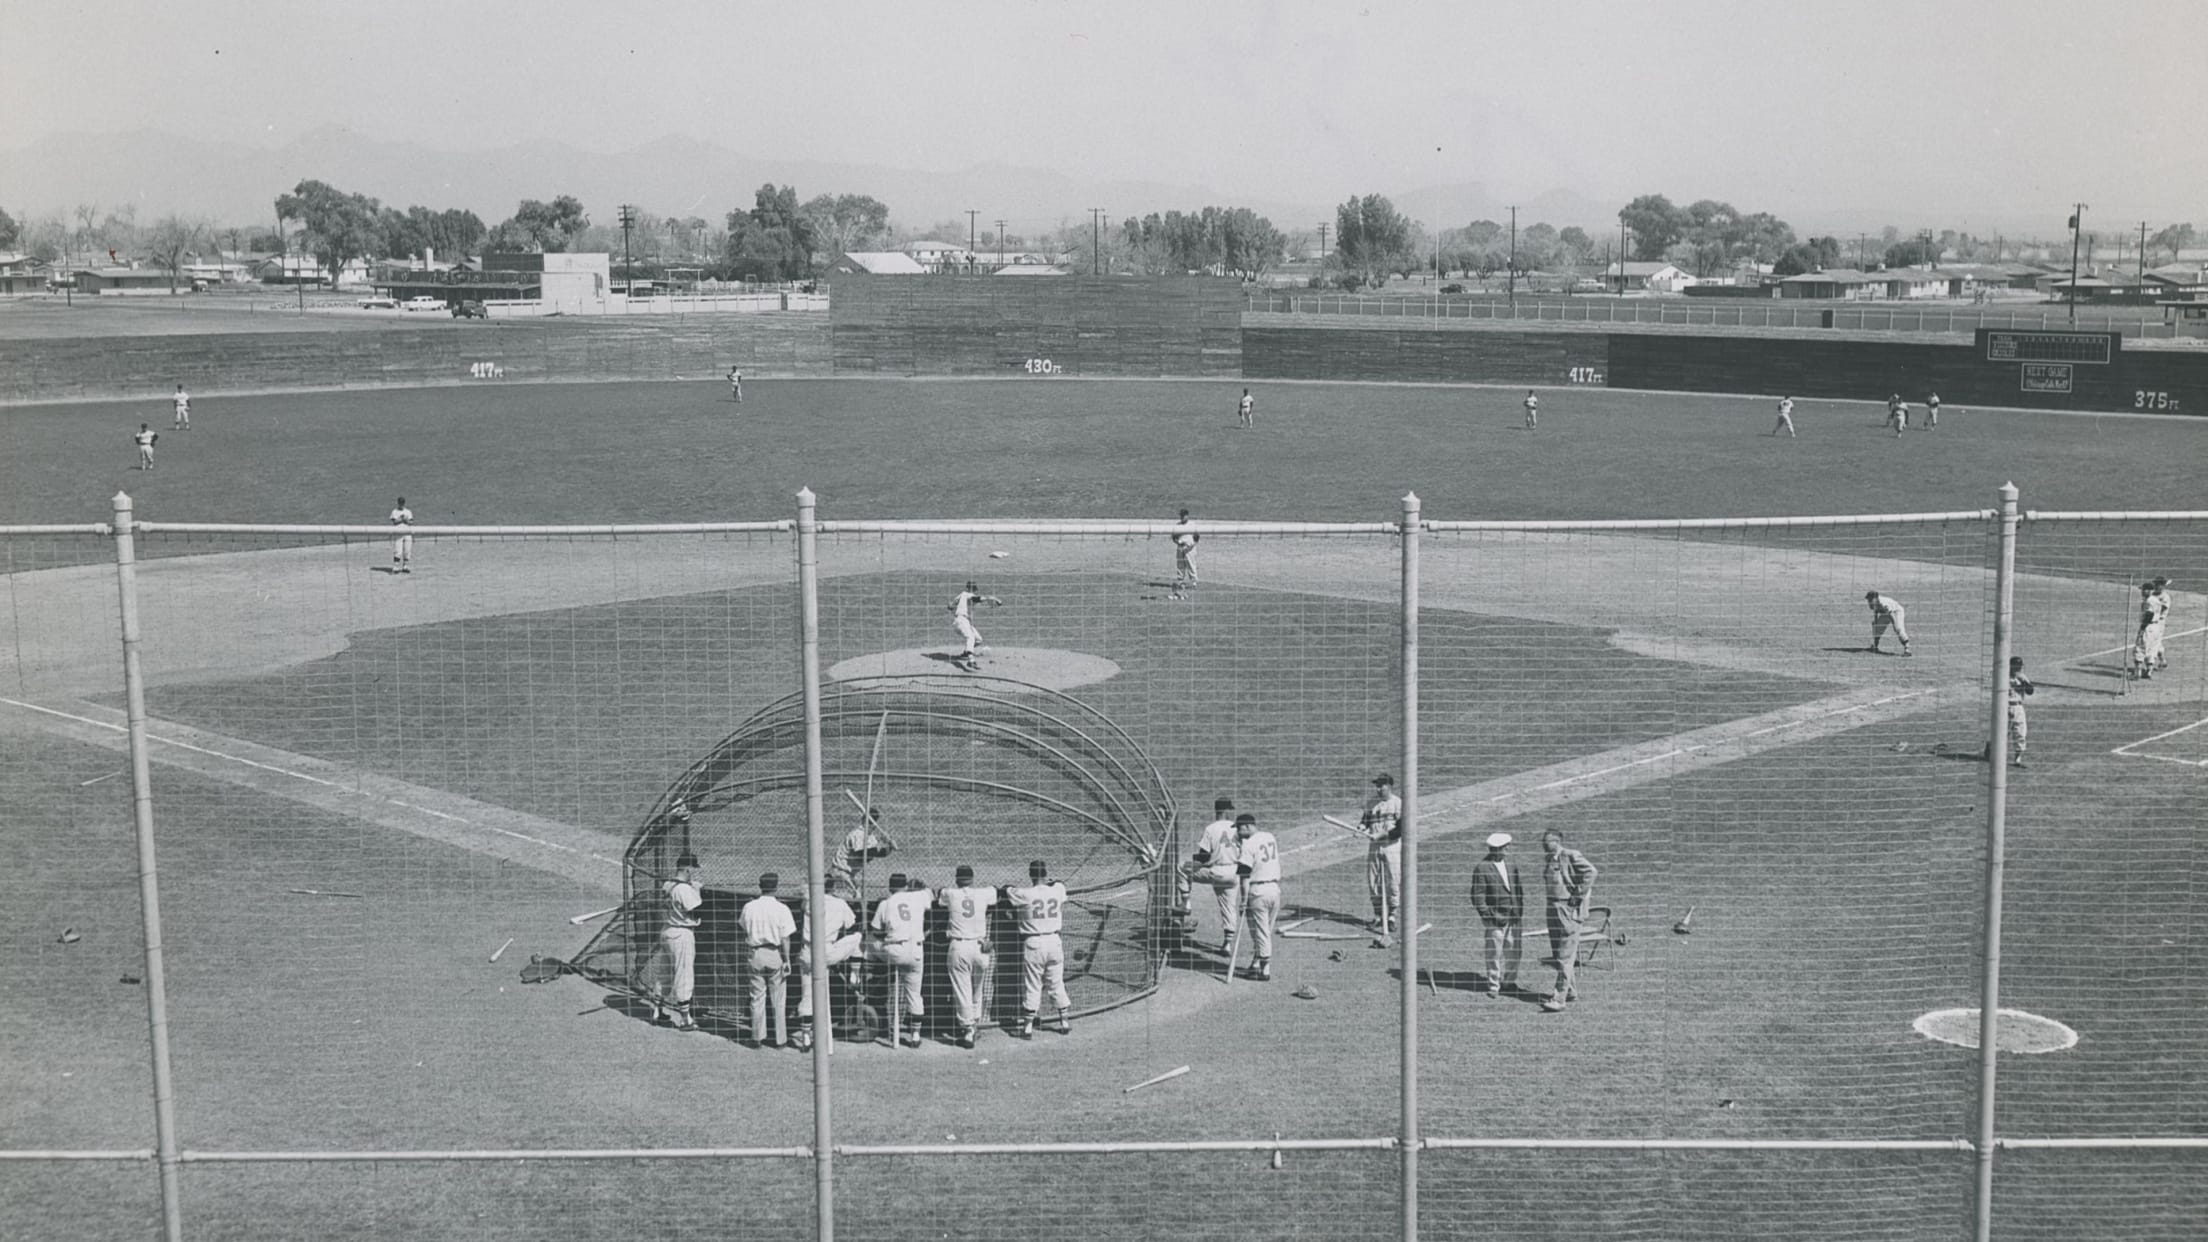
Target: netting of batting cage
[(942, 770)]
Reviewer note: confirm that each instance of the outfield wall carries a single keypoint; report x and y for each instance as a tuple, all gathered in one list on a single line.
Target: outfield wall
[(2160, 380), (658, 347), (1060, 325)]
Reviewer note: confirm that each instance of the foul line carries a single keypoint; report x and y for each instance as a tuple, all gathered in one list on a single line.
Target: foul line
[(585, 862), (2198, 629), (2127, 751)]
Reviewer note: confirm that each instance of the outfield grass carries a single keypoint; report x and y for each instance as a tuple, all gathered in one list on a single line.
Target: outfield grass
[(1836, 879)]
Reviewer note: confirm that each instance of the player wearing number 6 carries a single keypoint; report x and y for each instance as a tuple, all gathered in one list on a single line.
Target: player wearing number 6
[(966, 911), (1042, 906)]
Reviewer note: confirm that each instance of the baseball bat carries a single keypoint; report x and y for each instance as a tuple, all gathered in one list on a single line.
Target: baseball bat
[(1304, 935), (320, 892), (1152, 1082), (500, 951), (1234, 942), (581, 919), (1285, 928), (871, 820), (1346, 826)]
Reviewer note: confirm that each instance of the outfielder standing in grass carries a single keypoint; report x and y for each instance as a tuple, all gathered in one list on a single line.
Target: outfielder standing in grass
[(2020, 688), (1786, 418), (183, 402), (1932, 412), (1897, 413), (1383, 826), (402, 538), (1042, 907), (843, 944), (145, 438), (2154, 615), (966, 908), (1499, 898), (1568, 878), (962, 623), (1184, 550), (678, 944), (1533, 410), (768, 927), (1245, 410), (1257, 865), (736, 385), (1887, 611)]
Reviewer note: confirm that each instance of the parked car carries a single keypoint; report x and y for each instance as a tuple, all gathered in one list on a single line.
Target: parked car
[(469, 310), (379, 303), (422, 302)]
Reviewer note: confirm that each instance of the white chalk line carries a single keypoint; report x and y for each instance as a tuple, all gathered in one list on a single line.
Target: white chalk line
[(2198, 629), (280, 770), (2127, 751)]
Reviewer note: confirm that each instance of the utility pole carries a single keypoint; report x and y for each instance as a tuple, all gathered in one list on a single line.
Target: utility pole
[(1513, 285), (2142, 252), (1322, 241), (1862, 252), (2077, 219), (1000, 243), (970, 237), (628, 270), (1096, 241)]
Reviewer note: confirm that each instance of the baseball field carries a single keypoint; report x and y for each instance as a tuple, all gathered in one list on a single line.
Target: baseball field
[(367, 786)]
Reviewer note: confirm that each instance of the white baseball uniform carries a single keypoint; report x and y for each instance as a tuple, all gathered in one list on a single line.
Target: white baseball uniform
[(1260, 852), (1184, 546), (843, 944), (402, 540), (966, 911), (183, 403), (144, 438), (1216, 844), (768, 927), (962, 621), (2154, 615), (901, 919), (678, 939), (1786, 417), (1246, 409), (2020, 687), (1383, 819), (1887, 611), (1042, 915), (1533, 410)]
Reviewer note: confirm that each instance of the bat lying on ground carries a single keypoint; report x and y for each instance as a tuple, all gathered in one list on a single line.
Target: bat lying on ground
[(500, 951), (1304, 935), (1346, 826), (1151, 1082)]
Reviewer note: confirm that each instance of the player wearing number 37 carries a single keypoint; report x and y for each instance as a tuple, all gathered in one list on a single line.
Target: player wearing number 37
[(1041, 904), (1257, 862)]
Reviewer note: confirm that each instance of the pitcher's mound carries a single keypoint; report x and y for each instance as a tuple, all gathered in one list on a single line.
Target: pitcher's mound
[(1048, 667)]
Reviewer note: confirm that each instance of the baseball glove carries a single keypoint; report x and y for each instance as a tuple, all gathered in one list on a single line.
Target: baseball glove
[(543, 969)]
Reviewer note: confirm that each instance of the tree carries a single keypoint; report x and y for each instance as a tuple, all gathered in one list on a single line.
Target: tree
[(46, 238), (2173, 238), (1539, 247), (1577, 245), (1911, 253), (10, 231), (1656, 225), (772, 241), (339, 227), (845, 222), (172, 238), (538, 225), (1372, 239)]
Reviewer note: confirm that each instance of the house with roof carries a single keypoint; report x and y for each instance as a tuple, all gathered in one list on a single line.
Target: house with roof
[(2178, 280), (877, 263), (1634, 276), (938, 256), (128, 281), (1907, 283), (20, 273), (1835, 283)]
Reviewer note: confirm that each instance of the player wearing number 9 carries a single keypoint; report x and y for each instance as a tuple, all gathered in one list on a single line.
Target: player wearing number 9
[(1042, 904), (966, 911)]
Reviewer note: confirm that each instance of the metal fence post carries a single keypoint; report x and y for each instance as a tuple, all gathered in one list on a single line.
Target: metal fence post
[(1997, 798), (149, 878), (816, 852), (1407, 918)]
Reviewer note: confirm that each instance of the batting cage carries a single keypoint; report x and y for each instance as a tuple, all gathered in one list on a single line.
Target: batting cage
[(941, 771)]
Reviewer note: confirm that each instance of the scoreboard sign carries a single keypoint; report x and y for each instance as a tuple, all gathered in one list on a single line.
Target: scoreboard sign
[(2093, 349), (2047, 377)]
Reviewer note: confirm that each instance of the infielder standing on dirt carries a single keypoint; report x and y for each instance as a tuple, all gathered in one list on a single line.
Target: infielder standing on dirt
[(678, 943), (966, 908), (1212, 865), (1887, 611), (768, 927), (1257, 865), (901, 919), (1383, 828), (843, 945), (2020, 688), (1569, 879), (402, 538), (962, 622), (1042, 906), (2154, 615), (1184, 549)]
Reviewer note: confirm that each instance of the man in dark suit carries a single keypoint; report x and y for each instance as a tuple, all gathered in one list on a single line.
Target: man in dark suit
[(1499, 898)]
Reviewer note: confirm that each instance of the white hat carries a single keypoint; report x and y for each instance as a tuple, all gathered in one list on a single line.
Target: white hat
[(1497, 840)]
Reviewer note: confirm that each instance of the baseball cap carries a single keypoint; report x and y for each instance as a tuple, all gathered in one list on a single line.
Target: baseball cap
[(897, 882), (1244, 818), (1223, 804), (769, 882), (965, 874), (1383, 779), (1497, 840), (687, 860)]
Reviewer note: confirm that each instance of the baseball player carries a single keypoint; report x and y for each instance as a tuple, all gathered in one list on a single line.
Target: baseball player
[(768, 928), (736, 385), (1533, 410), (1184, 548), (2147, 658), (900, 919), (1887, 611), (678, 942), (1042, 905), (145, 438), (844, 941), (1931, 411), (402, 538), (183, 403), (1499, 898), (962, 621), (1213, 865), (1897, 413), (1257, 865), (863, 843), (966, 908), (2020, 688), (1245, 410), (1569, 879), (1382, 822), (1786, 418)]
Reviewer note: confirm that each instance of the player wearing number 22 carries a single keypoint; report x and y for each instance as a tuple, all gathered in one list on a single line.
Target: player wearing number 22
[(1257, 862), (1042, 905), (966, 911)]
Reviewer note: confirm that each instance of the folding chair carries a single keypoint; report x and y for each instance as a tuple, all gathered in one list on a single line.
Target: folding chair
[(1594, 933)]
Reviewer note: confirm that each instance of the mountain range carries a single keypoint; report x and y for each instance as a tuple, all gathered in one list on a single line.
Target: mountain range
[(236, 184)]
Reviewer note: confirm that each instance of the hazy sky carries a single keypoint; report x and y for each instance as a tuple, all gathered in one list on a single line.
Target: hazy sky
[(1782, 104)]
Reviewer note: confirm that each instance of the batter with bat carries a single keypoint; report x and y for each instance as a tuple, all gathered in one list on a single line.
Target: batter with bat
[(868, 841), (1382, 825), (678, 943)]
